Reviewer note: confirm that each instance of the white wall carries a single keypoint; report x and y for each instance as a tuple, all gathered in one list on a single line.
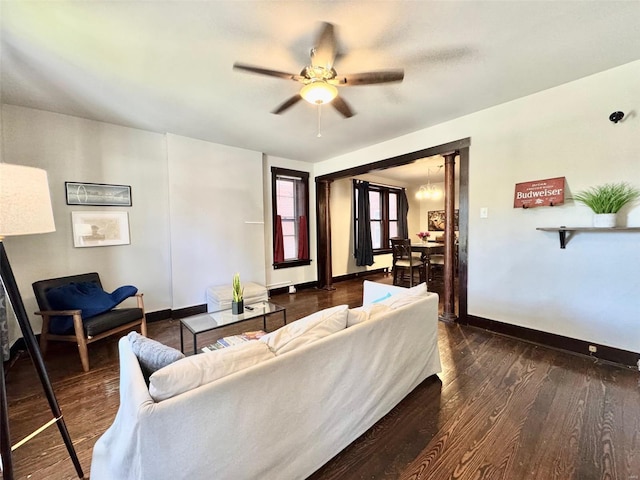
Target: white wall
[(74, 149), (197, 214), (217, 218), (283, 277), (518, 275)]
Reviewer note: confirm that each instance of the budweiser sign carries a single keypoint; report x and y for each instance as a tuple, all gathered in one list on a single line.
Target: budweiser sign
[(539, 193)]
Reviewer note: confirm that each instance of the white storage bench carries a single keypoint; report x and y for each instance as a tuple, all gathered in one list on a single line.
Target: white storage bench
[(219, 297)]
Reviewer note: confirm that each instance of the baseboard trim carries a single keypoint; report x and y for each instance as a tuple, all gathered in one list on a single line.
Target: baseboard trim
[(299, 286), (605, 353), (351, 276), (158, 315), (188, 311)]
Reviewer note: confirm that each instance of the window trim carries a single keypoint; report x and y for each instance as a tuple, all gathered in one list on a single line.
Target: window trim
[(304, 177), (385, 190)]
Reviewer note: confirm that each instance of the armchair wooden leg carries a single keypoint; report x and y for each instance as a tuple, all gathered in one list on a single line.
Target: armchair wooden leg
[(82, 342), (143, 325), (44, 337)]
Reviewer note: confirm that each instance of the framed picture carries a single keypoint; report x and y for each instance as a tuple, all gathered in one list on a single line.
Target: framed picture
[(435, 220), (98, 194), (100, 229)]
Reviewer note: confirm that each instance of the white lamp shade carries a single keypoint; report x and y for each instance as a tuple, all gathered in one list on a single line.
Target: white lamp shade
[(25, 203)]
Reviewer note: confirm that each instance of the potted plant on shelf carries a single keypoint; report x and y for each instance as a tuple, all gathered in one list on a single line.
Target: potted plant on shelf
[(237, 304), (606, 200)]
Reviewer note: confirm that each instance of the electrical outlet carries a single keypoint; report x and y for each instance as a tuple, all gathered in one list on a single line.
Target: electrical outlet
[(593, 349), (484, 212)]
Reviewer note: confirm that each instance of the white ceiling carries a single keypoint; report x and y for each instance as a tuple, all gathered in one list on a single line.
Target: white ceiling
[(166, 66)]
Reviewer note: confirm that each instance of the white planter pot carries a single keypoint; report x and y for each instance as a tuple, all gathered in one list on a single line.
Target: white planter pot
[(604, 220)]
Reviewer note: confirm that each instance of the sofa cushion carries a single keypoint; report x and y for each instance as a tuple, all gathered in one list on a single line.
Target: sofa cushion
[(152, 355), (307, 329), (366, 312), (194, 371)]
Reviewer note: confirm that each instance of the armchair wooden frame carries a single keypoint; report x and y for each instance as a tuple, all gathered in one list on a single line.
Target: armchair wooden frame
[(80, 336)]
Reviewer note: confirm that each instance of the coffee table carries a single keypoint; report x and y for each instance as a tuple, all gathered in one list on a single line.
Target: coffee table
[(206, 322)]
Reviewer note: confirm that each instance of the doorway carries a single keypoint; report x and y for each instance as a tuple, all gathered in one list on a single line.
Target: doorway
[(323, 189)]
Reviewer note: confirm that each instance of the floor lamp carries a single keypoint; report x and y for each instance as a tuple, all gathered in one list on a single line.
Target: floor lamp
[(25, 209)]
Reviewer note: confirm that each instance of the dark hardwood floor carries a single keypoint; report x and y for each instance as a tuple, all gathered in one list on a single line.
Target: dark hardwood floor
[(500, 409)]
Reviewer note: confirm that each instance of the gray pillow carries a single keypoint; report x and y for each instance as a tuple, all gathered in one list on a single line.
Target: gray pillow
[(152, 355)]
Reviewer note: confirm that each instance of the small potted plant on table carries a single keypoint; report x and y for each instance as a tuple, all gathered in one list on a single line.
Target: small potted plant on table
[(606, 200), (237, 304), (423, 236)]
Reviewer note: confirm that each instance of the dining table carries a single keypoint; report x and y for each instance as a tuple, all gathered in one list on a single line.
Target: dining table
[(427, 248)]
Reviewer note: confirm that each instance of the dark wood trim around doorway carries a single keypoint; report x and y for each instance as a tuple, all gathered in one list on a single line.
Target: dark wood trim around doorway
[(324, 252)]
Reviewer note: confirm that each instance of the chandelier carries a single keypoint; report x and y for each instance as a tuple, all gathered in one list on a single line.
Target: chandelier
[(429, 191)]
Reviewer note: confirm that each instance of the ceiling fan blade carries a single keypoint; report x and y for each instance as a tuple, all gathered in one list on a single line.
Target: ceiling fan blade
[(370, 78), (324, 53), (288, 104), (343, 107), (265, 71)]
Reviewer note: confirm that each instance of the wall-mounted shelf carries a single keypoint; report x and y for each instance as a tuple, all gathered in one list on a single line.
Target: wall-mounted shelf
[(562, 231)]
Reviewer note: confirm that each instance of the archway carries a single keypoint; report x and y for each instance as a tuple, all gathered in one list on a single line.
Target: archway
[(458, 149)]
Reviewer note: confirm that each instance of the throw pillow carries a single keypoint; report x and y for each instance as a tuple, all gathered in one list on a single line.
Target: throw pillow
[(378, 300), (405, 298), (313, 327), (418, 289), (196, 370), (120, 294), (85, 296), (152, 355)]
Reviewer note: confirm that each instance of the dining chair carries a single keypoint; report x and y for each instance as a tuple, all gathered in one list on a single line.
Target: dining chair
[(405, 262)]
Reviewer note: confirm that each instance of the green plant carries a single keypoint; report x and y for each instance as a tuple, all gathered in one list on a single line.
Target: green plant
[(608, 198), (238, 290)]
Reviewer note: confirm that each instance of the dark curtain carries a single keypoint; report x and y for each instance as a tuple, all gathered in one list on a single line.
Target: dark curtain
[(303, 244), (403, 212), (278, 248), (364, 249)]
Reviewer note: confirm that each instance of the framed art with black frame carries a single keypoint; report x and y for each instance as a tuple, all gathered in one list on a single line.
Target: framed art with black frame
[(98, 194)]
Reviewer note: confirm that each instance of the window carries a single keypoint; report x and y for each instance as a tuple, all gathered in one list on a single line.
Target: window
[(383, 208), (290, 206)]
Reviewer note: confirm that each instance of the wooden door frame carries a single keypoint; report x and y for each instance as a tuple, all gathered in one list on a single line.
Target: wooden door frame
[(324, 252)]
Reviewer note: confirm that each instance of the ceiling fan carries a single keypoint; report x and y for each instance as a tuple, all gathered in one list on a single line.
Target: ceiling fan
[(320, 79)]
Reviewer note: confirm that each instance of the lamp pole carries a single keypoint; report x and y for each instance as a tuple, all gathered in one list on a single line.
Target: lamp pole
[(13, 293), (25, 209)]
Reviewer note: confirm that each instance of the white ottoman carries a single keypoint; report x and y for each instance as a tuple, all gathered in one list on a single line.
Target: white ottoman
[(219, 297)]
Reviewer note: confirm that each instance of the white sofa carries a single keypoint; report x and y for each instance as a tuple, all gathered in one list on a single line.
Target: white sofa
[(282, 418)]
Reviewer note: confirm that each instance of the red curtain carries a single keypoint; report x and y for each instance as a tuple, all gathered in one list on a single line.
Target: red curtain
[(278, 248), (303, 242)]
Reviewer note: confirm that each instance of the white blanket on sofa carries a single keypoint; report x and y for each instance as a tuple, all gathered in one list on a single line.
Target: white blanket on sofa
[(281, 419)]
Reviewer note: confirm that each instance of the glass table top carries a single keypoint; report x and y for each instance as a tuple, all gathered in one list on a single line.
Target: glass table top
[(209, 321)]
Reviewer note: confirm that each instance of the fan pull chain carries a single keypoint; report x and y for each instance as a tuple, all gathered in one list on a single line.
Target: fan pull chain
[(319, 118)]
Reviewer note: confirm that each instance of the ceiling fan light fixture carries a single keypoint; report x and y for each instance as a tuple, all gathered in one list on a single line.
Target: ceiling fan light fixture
[(318, 93)]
